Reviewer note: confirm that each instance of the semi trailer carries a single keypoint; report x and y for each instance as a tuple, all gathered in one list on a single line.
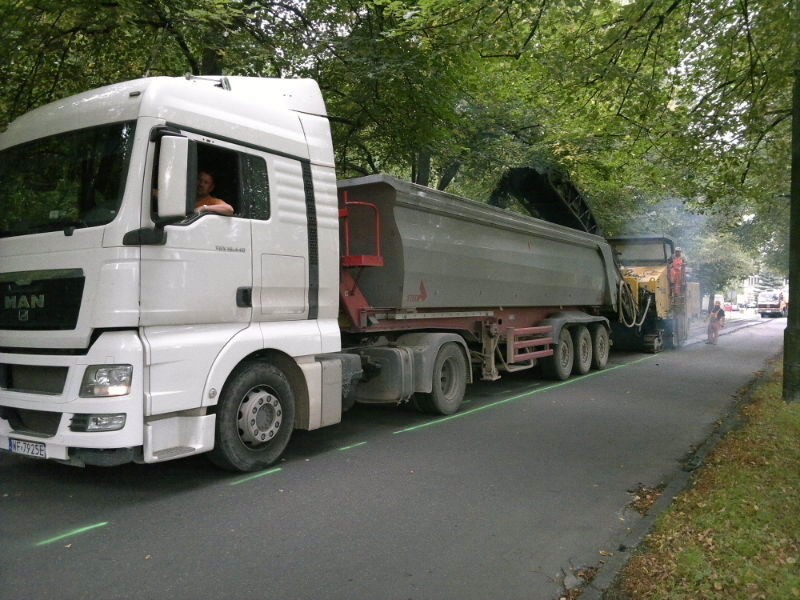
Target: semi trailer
[(134, 328)]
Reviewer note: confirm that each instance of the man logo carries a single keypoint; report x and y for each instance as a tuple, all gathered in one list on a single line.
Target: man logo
[(23, 302)]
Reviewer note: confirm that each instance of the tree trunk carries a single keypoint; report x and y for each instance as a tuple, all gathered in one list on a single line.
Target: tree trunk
[(421, 173), (791, 336), (211, 63), (448, 175)]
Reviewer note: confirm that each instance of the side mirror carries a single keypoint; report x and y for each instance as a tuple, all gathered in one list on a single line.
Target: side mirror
[(173, 177)]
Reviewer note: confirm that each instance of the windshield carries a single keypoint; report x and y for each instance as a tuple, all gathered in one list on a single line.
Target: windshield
[(632, 253), (770, 296), (71, 180)]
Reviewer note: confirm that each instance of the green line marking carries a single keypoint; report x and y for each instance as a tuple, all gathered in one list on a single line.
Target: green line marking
[(256, 476), (351, 446), (72, 533), (527, 394)]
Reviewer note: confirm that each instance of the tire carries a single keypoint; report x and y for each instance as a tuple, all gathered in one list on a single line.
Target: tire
[(262, 391), (559, 366), (582, 346), (600, 347), (670, 335), (449, 382)]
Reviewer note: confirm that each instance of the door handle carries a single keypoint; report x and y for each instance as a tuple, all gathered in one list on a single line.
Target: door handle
[(244, 297)]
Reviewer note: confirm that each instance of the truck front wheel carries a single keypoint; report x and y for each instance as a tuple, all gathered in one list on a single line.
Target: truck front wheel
[(559, 366), (255, 418), (449, 382)]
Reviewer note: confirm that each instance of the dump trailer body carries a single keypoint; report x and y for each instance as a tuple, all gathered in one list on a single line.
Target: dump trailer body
[(441, 251)]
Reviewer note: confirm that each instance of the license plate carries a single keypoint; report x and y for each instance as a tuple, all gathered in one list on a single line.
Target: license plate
[(36, 449)]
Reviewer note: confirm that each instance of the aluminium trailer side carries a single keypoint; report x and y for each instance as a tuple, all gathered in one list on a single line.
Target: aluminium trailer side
[(423, 269), (441, 251)]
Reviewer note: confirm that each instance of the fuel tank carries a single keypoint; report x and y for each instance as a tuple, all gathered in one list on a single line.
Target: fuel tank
[(441, 251)]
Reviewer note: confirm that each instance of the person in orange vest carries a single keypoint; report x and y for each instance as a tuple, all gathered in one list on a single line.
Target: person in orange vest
[(676, 272), (716, 321)]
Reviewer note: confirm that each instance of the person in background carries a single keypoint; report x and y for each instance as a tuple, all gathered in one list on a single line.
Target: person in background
[(205, 201), (676, 272), (716, 321)]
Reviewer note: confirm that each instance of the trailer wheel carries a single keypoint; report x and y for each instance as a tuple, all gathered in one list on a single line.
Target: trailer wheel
[(255, 418), (559, 366), (582, 344), (449, 382), (600, 347)]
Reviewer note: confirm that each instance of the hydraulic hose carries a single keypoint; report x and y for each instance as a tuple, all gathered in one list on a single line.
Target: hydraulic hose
[(644, 312), (626, 305), (626, 301)]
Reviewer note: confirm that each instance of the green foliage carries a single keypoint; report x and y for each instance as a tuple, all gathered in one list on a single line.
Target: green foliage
[(52, 49), (638, 101), (720, 260)]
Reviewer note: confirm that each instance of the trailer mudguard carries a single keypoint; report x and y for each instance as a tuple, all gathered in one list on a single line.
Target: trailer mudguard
[(424, 347), (566, 318)]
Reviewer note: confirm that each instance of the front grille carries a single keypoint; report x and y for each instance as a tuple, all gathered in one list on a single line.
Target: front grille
[(41, 300), (33, 379)]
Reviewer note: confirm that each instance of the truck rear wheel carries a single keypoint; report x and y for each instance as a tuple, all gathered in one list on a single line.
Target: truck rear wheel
[(582, 344), (449, 382), (600, 347), (255, 418), (559, 366)]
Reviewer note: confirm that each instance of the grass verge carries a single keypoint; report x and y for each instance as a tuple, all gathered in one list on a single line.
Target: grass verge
[(736, 532)]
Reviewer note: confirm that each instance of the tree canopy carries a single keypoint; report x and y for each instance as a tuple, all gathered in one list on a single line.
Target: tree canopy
[(639, 102)]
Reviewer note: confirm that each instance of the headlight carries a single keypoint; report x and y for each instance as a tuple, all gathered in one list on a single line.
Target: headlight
[(106, 380), (97, 422)]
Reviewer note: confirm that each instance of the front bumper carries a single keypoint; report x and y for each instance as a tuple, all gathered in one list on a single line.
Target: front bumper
[(45, 416)]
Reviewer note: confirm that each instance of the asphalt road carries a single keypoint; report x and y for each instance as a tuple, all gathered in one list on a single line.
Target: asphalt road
[(529, 482)]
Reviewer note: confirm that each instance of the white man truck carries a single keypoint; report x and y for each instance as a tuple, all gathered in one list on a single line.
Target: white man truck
[(134, 329)]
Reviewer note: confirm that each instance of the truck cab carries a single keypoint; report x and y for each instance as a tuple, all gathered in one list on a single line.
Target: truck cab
[(129, 322), (773, 303)]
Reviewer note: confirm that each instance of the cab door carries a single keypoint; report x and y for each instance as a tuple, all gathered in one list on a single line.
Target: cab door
[(200, 272), (196, 277)]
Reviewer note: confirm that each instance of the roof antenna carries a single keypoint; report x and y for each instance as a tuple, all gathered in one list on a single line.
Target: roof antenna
[(220, 82)]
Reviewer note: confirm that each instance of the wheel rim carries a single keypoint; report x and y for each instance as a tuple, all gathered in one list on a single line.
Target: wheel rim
[(447, 378), (564, 353), (602, 346), (260, 417), (586, 350)]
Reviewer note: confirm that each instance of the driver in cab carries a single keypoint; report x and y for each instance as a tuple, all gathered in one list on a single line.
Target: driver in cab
[(206, 203)]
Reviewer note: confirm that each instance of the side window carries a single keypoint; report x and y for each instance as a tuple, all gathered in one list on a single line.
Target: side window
[(222, 165), (255, 187), (237, 178)]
